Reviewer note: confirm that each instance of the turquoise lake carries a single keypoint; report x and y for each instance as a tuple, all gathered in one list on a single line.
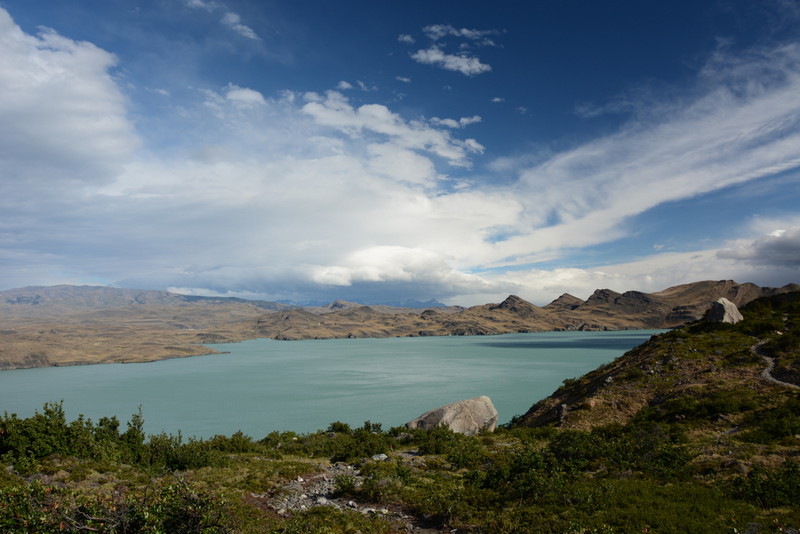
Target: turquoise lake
[(264, 385)]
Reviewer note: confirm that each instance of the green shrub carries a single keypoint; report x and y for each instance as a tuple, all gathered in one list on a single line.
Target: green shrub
[(325, 519), (344, 485), (175, 507), (769, 488), (339, 427), (238, 443), (774, 424), (687, 408), (439, 440), (343, 446)]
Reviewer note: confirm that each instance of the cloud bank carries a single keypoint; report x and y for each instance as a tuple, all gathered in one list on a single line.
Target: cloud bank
[(315, 195)]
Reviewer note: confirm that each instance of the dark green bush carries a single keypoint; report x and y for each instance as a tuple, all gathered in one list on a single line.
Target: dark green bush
[(24, 442), (688, 408), (771, 425), (339, 427), (238, 443), (326, 519), (769, 488), (439, 440), (362, 442), (176, 507), (167, 452)]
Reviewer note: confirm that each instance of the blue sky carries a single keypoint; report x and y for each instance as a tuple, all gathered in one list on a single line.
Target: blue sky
[(387, 151)]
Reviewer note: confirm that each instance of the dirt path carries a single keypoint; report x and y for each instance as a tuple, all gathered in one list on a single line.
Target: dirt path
[(766, 374)]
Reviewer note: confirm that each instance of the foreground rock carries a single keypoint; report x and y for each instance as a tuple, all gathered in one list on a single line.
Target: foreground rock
[(724, 311), (467, 417)]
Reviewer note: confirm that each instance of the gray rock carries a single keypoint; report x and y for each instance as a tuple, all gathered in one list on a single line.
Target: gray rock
[(467, 417), (724, 311)]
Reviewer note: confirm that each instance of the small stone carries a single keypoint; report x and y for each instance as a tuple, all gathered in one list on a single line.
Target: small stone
[(322, 501), (380, 457)]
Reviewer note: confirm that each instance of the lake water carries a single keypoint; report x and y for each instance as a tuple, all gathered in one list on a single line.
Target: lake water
[(264, 385)]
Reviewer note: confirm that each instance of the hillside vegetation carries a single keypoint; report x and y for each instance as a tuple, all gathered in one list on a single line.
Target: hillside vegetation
[(689, 432)]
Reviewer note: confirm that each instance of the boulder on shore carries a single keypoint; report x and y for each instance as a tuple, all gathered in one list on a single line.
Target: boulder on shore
[(724, 311), (467, 417)]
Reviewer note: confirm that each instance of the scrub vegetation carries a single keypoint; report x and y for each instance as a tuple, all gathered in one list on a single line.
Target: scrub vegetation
[(711, 447)]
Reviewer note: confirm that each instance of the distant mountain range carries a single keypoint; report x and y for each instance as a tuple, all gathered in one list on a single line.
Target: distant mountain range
[(413, 304), (603, 310), (69, 325), (44, 301)]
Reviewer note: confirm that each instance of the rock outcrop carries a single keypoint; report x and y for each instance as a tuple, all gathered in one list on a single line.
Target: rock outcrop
[(516, 305), (724, 311), (467, 417)]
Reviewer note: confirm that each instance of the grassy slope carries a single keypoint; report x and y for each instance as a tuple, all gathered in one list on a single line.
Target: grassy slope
[(681, 434)]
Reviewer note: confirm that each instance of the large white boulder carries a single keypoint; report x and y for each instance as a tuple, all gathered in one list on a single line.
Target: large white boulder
[(724, 311), (467, 417)]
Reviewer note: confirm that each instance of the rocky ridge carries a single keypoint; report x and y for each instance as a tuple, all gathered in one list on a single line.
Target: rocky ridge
[(72, 325), (708, 356)]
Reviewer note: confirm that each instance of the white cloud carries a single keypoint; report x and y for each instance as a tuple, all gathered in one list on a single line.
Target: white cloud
[(452, 123), (234, 22), (438, 31), (403, 79), (405, 38), (63, 114), (383, 264), (208, 5), (344, 86), (230, 20), (465, 64), (335, 110), (463, 61), (780, 247), (744, 128), (244, 97), (401, 164)]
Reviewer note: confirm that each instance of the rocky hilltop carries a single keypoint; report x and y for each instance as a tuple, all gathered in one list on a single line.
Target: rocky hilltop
[(603, 310), (675, 374), (72, 325)]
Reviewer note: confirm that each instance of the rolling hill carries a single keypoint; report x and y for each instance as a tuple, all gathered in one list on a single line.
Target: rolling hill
[(73, 325)]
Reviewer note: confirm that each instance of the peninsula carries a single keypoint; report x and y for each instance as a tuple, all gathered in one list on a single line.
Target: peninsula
[(78, 325)]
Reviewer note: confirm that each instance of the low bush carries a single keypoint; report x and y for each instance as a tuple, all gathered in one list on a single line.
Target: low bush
[(769, 488), (173, 507), (774, 424), (691, 408), (326, 519)]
